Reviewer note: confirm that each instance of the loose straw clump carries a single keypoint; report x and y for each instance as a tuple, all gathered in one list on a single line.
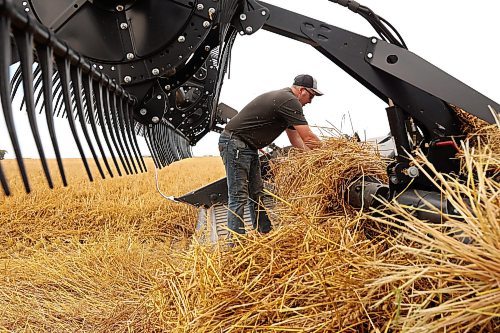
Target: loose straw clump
[(450, 280), (318, 180)]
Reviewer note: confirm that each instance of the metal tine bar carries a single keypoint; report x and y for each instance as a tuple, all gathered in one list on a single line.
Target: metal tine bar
[(158, 145), (24, 42), (130, 134), (131, 123), (109, 125), (147, 139), (63, 66), (160, 142), (37, 79), (76, 78), (87, 88), (15, 83), (39, 90), (100, 115), (3, 181), (124, 132), (5, 58), (58, 94), (148, 135), (46, 61), (171, 147), (119, 133)]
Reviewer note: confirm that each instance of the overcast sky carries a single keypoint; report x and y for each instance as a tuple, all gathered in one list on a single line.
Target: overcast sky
[(460, 37)]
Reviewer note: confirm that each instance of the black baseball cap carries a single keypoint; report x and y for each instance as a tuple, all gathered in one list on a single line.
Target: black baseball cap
[(307, 81)]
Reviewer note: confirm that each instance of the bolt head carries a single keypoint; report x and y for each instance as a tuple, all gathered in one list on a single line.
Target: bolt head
[(167, 87), (394, 179), (413, 172), (143, 112), (370, 55), (181, 39), (123, 26), (130, 56), (264, 13), (120, 8), (243, 17), (159, 97), (374, 40), (155, 71), (249, 30), (127, 79), (211, 10), (155, 119), (200, 6), (206, 24), (207, 48)]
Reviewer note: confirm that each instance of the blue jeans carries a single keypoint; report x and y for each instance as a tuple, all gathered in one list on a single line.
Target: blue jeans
[(244, 182)]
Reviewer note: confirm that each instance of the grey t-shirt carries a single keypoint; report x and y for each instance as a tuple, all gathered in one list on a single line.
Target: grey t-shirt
[(266, 117)]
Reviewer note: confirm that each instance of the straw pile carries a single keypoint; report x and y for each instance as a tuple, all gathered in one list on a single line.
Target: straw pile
[(318, 272)]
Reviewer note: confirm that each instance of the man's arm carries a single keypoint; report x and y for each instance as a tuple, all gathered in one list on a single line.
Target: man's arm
[(303, 137)]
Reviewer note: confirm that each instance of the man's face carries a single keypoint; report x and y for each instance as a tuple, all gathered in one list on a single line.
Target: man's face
[(305, 96)]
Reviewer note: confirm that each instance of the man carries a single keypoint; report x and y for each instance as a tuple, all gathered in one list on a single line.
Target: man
[(255, 127)]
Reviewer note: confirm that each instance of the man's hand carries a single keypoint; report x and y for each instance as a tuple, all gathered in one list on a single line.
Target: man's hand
[(303, 137)]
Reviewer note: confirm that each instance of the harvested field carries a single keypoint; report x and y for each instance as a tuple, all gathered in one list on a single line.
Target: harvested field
[(114, 256)]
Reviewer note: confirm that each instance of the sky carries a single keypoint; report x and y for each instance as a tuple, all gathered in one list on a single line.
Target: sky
[(460, 37)]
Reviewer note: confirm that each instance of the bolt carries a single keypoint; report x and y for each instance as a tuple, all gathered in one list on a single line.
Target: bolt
[(181, 39), (155, 71), (120, 8), (374, 40), (200, 6), (130, 56), (159, 97), (127, 79), (206, 24), (243, 17), (394, 179), (211, 11), (207, 48), (249, 30), (167, 87), (264, 13), (124, 26), (369, 55), (143, 112), (413, 172), (155, 119)]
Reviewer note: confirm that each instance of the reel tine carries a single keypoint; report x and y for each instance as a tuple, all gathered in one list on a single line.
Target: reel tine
[(63, 66), (130, 134), (3, 181), (5, 58), (147, 138), (15, 83), (125, 132), (109, 125), (76, 78), (58, 95), (159, 141), (24, 42), (100, 115), (119, 134), (87, 88), (132, 124), (45, 58)]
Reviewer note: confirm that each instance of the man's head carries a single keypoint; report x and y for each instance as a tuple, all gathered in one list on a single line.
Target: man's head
[(305, 88)]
